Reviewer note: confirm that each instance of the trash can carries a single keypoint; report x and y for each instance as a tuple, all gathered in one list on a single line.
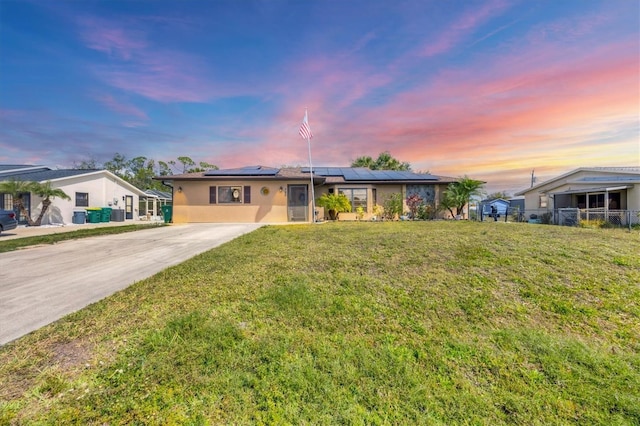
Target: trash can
[(79, 217), (167, 213), (106, 214), (94, 215), (117, 215)]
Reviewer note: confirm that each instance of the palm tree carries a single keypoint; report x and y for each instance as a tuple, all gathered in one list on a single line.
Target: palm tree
[(364, 161), (47, 193), (335, 204), (17, 188), (458, 193)]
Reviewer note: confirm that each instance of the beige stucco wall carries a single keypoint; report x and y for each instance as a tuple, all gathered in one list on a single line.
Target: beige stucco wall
[(191, 205), (382, 193)]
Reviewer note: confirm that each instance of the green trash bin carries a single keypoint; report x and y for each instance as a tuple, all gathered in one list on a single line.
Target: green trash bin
[(94, 215), (106, 214), (167, 213)]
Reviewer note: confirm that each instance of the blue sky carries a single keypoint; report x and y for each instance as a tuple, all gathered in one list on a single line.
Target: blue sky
[(489, 89)]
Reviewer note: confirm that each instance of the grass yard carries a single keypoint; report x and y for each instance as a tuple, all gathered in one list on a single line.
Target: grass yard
[(19, 243), (353, 323)]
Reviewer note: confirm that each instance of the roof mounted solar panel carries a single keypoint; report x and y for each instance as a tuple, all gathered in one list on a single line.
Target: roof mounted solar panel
[(363, 174), (244, 171)]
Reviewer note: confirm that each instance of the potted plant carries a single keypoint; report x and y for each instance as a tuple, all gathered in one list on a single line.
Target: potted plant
[(334, 204)]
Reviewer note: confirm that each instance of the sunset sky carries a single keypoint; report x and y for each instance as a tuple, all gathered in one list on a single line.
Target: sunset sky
[(488, 89)]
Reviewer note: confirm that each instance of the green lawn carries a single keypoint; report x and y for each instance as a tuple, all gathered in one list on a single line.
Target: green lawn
[(356, 323), (18, 243)]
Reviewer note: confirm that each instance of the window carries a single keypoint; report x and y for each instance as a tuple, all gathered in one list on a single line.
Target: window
[(212, 195), (543, 201), (82, 199), (596, 201), (357, 197), (7, 203), (229, 194)]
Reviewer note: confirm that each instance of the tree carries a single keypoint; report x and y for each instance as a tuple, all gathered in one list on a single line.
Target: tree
[(88, 164), (16, 189), (457, 194), (335, 204), (384, 162), (497, 195), (117, 165), (47, 193), (140, 172), (364, 161)]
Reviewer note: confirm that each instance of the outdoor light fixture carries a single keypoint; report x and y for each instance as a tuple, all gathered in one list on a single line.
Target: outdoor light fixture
[(179, 189), (281, 189)]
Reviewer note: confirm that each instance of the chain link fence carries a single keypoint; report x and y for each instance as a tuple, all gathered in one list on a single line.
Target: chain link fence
[(596, 218)]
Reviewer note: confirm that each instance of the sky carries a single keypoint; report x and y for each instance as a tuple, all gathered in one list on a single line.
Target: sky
[(490, 89)]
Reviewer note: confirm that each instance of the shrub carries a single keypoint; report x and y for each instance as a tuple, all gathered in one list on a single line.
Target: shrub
[(393, 206), (335, 204), (413, 202), (426, 211)]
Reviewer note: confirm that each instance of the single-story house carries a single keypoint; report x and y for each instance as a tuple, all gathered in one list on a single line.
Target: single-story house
[(87, 188), (592, 192), (500, 205), (151, 205), (274, 195)]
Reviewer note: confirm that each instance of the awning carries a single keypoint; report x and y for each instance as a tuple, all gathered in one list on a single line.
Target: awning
[(592, 190)]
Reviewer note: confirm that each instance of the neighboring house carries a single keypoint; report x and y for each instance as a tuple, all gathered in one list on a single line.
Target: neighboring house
[(501, 205), (594, 192), (87, 188), (272, 195), (151, 205)]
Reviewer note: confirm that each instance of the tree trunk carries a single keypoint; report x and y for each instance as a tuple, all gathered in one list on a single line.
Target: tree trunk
[(23, 211), (45, 206)]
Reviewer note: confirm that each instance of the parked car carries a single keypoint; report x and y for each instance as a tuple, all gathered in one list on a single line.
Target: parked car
[(8, 220)]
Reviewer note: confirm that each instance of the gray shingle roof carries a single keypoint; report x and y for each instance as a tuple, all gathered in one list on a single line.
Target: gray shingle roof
[(43, 174)]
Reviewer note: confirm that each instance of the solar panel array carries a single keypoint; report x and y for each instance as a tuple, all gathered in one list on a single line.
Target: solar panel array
[(244, 171), (364, 174)]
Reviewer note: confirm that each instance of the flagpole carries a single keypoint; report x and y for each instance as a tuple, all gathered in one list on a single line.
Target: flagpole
[(313, 194), (305, 132)]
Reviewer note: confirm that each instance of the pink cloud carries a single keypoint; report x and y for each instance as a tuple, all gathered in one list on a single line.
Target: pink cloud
[(121, 108), (543, 108), (464, 27), (140, 68), (108, 37)]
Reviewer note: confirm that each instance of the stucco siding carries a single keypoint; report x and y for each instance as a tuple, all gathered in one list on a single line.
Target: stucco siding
[(268, 203), (104, 191)]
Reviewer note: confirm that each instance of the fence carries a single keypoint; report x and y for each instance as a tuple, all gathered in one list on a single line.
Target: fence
[(570, 217)]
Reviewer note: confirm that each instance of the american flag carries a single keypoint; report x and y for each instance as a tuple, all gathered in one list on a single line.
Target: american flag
[(305, 130)]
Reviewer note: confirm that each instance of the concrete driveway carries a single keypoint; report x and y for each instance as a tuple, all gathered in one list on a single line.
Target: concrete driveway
[(40, 285)]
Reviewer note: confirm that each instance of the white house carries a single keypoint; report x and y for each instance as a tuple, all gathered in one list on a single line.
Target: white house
[(87, 188), (592, 192)]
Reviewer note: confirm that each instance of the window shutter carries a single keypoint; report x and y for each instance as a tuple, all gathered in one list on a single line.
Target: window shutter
[(247, 195), (212, 195)]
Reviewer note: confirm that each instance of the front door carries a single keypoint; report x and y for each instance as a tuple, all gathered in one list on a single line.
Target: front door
[(128, 207), (297, 203)]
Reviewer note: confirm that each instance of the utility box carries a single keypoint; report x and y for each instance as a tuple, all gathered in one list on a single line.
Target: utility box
[(117, 215)]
